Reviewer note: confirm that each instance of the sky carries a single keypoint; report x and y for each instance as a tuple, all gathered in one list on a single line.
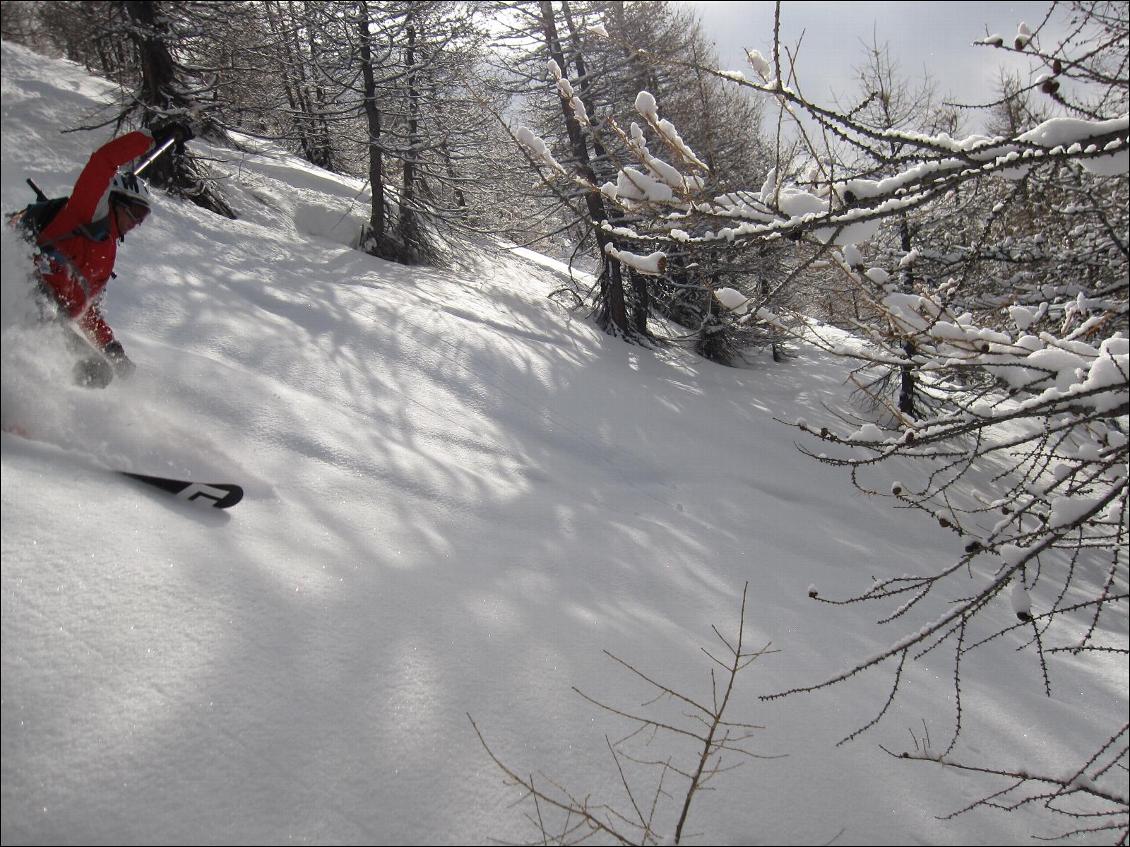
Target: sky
[(458, 496), (924, 37)]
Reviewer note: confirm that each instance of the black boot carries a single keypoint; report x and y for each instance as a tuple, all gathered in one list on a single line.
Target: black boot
[(93, 372)]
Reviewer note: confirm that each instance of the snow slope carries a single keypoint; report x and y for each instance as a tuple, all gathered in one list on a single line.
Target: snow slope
[(458, 495)]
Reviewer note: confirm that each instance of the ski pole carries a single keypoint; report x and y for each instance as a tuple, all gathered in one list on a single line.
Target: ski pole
[(146, 162), (152, 157)]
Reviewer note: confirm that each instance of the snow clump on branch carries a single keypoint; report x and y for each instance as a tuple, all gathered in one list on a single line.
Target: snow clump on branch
[(538, 148)]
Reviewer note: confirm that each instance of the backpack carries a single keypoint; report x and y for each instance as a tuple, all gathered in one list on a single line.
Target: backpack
[(33, 218)]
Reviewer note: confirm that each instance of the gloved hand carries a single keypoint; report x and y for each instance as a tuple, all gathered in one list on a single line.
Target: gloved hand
[(168, 128), (122, 364)]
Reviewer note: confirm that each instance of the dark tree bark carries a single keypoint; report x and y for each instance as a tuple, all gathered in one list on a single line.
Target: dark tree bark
[(161, 95), (907, 377), (375, 239), (409, 228), (612, 313)]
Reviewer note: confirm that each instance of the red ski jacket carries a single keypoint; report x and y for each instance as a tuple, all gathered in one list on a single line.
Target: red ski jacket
[(80, 245)]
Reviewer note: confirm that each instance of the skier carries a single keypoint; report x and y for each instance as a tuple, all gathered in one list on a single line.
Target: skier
[(77, 250)]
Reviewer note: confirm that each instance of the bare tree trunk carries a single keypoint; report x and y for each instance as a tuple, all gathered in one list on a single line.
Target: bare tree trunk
[(409, 229), (907, 378), (460, 199), (289, 62), (641, 294), (375, 240), (323, 146), (160, 95), (612, 309)]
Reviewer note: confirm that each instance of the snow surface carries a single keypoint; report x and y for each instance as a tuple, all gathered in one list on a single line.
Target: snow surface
[(458, 495)]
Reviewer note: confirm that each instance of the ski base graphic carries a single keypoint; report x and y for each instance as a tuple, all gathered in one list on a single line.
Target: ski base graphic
[(216, 494)]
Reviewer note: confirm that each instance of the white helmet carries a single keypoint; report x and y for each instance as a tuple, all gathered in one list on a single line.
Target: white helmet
[(130, 188)]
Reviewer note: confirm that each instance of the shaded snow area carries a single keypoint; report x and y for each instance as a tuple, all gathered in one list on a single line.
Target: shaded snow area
[(457, 496)]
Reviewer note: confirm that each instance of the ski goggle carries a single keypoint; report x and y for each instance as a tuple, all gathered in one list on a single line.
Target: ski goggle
[(137, 212)]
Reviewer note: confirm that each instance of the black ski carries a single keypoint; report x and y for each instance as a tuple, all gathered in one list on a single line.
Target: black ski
[(216, 494)]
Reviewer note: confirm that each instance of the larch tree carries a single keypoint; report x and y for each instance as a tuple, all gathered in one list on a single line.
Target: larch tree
[(1019, 337)]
